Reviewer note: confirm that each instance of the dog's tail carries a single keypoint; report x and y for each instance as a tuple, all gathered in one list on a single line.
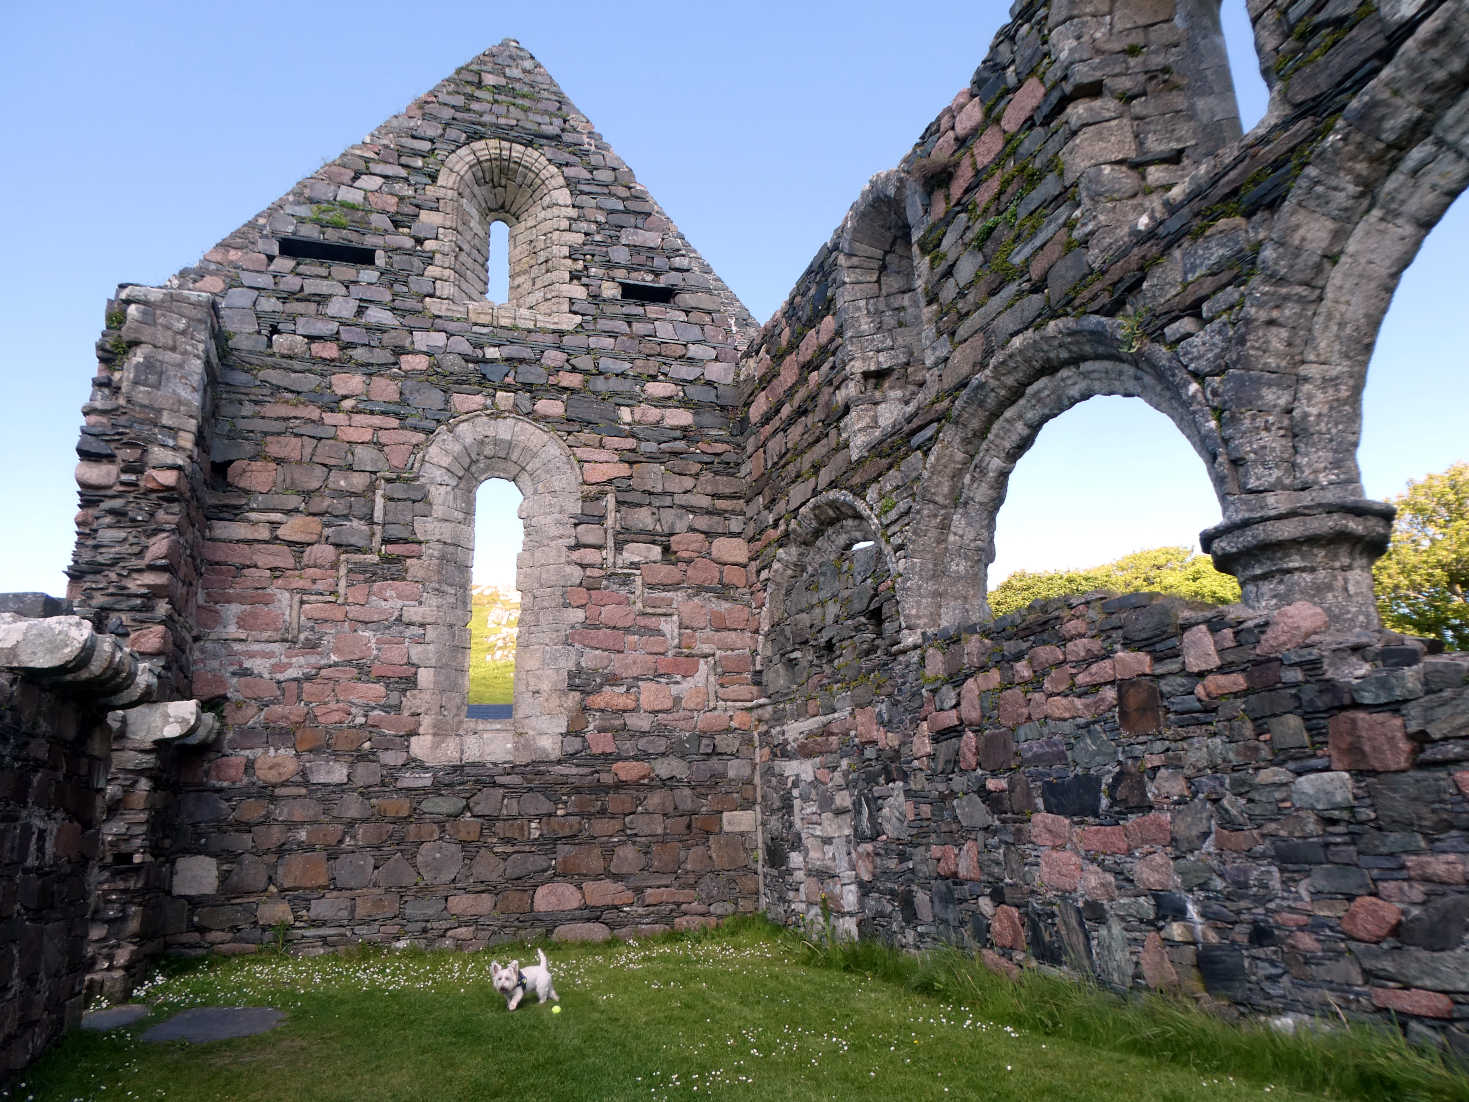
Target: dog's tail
[(542, 954)]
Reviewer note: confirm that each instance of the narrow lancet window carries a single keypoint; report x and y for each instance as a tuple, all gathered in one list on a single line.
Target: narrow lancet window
[(494, 620), (498, 276), (1250, 94)]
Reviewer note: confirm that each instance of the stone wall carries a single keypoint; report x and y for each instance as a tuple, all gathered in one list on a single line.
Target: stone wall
[(52, 765), (1195, 799), (134, 911), (58, 679), (753, 562), (1108, 786), (142, 474), (355, 387), (1085, 219)]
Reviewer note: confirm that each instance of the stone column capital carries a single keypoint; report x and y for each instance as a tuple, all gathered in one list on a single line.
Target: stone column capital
[(1317, 551)]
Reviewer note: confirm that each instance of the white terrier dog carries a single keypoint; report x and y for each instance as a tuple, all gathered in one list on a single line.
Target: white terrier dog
[(514, 981)]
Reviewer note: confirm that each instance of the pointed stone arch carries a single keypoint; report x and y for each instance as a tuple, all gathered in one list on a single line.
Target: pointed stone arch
[(1036, 378), (452, 465), (493, 180)]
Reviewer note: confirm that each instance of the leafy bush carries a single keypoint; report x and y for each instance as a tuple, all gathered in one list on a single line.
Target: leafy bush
[(1423, 581), (1176, 571), (490, 681)]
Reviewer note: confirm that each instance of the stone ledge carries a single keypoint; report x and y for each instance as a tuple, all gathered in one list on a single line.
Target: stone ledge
[(69, 651), (179, 722)]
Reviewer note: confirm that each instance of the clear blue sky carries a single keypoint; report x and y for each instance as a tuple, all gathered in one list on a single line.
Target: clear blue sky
[(140, 134)]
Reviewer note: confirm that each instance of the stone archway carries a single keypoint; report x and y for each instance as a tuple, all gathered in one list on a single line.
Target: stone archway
[(493, 180), (1383, 176), (1036, 378), (827, 527), (829, 634)]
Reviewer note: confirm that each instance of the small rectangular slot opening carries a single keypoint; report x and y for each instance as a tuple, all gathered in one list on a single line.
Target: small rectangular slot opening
[(308, 248), (647, 292)]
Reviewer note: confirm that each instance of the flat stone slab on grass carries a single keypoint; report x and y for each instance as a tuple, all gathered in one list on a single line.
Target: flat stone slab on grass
[(216, 1023), (114, 1017)]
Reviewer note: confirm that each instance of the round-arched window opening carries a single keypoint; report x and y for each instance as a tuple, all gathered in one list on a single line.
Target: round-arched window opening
[(497, 277), (494, 600), (1109, 478)]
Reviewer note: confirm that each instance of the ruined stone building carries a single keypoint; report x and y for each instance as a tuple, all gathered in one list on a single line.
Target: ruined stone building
[(756, 670)]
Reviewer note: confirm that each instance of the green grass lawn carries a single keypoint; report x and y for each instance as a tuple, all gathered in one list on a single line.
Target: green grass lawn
[(740, 1014), (489, 682)]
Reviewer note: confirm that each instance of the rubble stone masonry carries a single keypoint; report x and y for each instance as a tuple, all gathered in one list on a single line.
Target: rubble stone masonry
[(63, 683), (1189, 799), (52, 764), (1253, 800), (755, 665), (314, 485)]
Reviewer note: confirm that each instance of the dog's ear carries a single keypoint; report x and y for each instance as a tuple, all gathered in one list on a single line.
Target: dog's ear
[(494, 966), (515, 966)]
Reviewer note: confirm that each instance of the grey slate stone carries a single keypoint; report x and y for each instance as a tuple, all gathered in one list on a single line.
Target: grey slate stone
[(1417, 967), (215, 1023), (1322, 791), (114, 1017)]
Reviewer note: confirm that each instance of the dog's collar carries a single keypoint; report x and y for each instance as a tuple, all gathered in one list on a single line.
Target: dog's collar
[(520, 984)]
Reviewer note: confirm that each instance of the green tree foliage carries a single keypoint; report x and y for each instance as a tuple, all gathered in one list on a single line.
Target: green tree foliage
[(1173, 570), (1423, 580), (491, 675)]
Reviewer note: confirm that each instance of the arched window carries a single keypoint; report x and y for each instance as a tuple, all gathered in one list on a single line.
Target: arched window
[(460, 457), (493, 181), (494, 620), (832, 615), (1107, 478), (1038, 377), (497, 278)]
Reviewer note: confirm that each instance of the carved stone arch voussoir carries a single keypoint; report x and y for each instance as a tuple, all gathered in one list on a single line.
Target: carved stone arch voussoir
[(493, 180)]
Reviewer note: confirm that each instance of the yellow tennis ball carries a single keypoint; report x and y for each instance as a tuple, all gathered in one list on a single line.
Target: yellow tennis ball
[(555, 1010)]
